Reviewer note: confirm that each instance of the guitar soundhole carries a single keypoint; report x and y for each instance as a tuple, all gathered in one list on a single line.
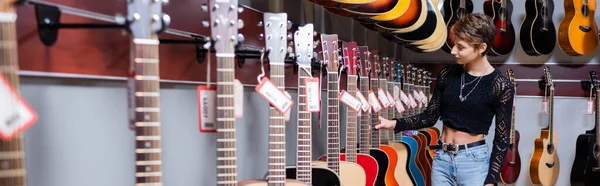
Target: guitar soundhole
[(550, 149), (585, 28)]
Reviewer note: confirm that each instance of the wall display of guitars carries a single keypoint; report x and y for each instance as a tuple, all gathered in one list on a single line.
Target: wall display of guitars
[(512, 163)]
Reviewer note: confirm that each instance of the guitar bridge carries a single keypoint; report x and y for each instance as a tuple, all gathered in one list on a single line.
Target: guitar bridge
[(585, 28), (550, 165), (511, 163)]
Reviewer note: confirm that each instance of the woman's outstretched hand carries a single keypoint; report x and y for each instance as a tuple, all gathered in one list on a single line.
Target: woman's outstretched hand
[(385, 124)]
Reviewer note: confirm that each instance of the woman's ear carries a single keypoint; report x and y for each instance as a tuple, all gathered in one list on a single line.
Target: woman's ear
[(482, 48)]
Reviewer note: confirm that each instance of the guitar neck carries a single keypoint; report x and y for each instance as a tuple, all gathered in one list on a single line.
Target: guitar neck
[(384, 138), (374, 117), (392, 111), (398, 136), (597, 126), (226, 145), (14, 155), (304, 156), (551, 114), (351, 123), (463, 4), (512, 121), (333, 122), (365, 128), (147, 109), (277, 131)]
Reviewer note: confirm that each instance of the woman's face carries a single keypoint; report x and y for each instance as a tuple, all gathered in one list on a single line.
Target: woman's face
[(465, 52)]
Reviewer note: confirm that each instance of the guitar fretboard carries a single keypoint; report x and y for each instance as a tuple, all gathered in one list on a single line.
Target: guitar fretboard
[(375, 117), (392, 111), (277, 132), (551, 114), (333, 121), (398, 136), (384, 113), (226, 141), (365, 128), (12, 159), (303, 159), (147, 112), (351, 123)]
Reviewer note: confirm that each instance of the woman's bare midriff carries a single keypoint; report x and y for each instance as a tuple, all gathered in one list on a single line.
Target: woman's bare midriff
[(454, 136)]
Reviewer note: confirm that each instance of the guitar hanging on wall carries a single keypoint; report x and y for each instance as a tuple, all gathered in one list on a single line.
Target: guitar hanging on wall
[(578, 32), (512, 164), (537, 34), (453, 11), (501, 13), (586, 167)]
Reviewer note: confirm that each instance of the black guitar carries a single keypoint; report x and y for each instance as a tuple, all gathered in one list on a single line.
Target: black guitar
[(453, 11), (586, 167), (537, 34)]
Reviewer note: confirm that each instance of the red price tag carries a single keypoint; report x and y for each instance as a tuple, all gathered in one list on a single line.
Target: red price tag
[(350, 101), (374, 102), (274, 95), (544, 106), (16, 115), (207, 109), (590, 107)]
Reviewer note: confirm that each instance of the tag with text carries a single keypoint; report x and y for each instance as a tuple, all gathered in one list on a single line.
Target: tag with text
[(590, 107), (350, 101), (544, 106), (16, 115), (423, 97), (413, 103), (374, 102), (399, 107), (383, 98), (365, 104), (404, 98), (396, 93), (392, 100), (274, 95), (207, 109), (313, 94), (238, 98), (417, 96)]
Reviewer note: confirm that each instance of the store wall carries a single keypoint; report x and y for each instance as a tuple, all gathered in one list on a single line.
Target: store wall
[(81, 137)]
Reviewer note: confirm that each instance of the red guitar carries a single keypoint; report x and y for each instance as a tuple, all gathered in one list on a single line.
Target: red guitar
[(505, 33), (512, 165)]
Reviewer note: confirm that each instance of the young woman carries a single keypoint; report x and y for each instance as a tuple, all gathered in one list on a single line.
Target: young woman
[(467, 96)]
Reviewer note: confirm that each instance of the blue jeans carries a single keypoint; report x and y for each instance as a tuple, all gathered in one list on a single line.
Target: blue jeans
[(469, 167)]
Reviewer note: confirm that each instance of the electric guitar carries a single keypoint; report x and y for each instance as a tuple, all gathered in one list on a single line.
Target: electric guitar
[(148, 23), (304, 171), (537, 32), (544, 165), (382, 136), (512, 163), (453, 11), (501, 13), (350, 173), (586, 167), (14, 172), (578, 32)]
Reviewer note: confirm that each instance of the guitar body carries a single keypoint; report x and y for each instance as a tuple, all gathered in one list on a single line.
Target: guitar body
[(582, 173), (426, 30), (366, 10), (424, 158), (390, 178), (369, 165), (350, 173), (411, 20), (578, 34), (538, 37), (341, 3), (320, 176), (288, 182), (512, 164), (402, 172), (384, 162), (544, 164), (452, 13), (412, 160), (505, 33)]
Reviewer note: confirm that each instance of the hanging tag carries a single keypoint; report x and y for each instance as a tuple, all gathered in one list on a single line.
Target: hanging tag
[(391, 99), (274, 95), (16, 115), (288, 112), (238, 97), (373, 101), (131, 100), (413, 103), (350, 101), (383, 98), (207, 109), (590, 107), (544, 106), (399, 107), (404, 98), (365, 104), (417, 96), (423, 97), (396, 93), (313, 95)]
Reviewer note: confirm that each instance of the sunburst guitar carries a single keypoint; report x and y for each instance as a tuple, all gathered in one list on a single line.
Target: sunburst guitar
[(500, 11)]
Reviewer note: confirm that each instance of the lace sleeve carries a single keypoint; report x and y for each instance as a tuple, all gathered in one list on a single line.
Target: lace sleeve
[(431, 114), (503, 91)]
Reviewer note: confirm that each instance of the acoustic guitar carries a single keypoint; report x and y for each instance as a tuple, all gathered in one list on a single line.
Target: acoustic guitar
[(15, 172), (578, 32), (367, 162), (537, 33), (586, 167), (544, 164), (512, 163), (304, 171), (410, 21), (364, 11), (453, 11), (501, 13), (341, 3), (413, 162), (349, 172)]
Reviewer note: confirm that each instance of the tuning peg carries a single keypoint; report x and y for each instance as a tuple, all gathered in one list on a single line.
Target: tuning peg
[(205, 24), (240, 38), (289, 24), (164, 2), (240, 24), (260, 24), (166, 20), (120, 19), (240, 10), (261, 36), (204, 7), (289, 36)]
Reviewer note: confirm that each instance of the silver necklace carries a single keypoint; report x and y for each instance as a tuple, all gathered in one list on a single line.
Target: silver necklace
[(463, 84)]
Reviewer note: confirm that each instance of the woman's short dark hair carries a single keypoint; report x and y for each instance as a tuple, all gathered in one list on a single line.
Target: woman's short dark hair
[(475, 28)]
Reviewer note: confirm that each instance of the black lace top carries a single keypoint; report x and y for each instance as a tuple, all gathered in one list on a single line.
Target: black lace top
[(493, 96)]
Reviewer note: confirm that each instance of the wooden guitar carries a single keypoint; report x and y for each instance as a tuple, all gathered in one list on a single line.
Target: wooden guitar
[(537, 32), (512, 164), (341, 3), (365, 11), (586, 167), (430, 36), (304, 171), (423, 135), (14, 172), (350, 173), (413, 162), (501, 13), (147, 100), (544, 164), (453, 11), (382, 136), (578, 32), (366, 161), (410, 21)]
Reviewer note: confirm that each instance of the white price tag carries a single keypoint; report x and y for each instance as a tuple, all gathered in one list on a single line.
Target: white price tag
[(238, 98), (313, 94), (413, 103), (365, 104), (417, 96), (374, 102), (383, 98), (404, 98), (399, 107), (274, 95), (207, 109), (423, 97), (350, 101), (288, 112), (391, 99), (396, 93), (590, 107), (544, 106), (16, 115)]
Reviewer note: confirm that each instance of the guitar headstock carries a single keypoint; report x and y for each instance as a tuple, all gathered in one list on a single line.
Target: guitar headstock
[(375, 66), (407, 74), (384, 65), (420, 76), (224, 26), (548, 77), (275, 25), (398, 70), (511, 76), (350, 52), (146, 18), (594, 80), (363, 63), (303, 45), (329, 44)]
